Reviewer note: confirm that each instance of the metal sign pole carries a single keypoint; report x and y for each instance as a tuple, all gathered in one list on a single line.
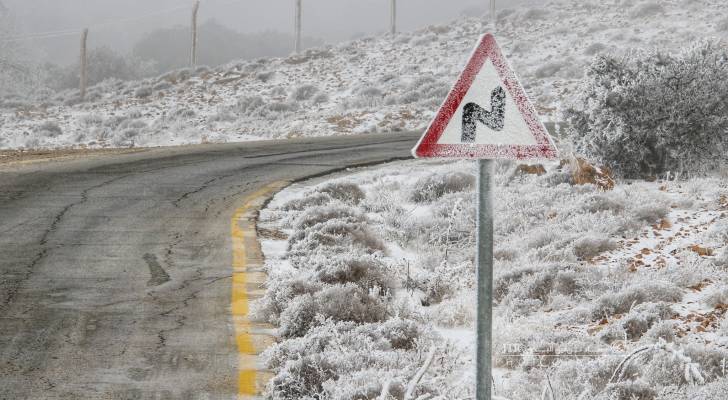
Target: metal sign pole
[(484, 272)]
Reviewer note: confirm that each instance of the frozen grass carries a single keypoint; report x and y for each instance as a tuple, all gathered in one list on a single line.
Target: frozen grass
[(569, 305)]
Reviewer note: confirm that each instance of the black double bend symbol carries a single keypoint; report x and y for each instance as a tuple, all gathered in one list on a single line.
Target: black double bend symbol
[(493, 119)]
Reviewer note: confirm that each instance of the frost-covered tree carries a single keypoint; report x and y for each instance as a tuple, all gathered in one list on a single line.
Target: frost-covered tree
[(644, 114)]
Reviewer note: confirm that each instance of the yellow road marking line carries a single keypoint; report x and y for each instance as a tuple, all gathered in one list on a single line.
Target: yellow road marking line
[(246, 256)]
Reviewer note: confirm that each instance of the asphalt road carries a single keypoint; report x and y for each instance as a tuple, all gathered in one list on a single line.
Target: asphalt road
[(115, 270)]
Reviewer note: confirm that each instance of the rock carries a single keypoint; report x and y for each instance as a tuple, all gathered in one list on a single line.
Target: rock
[(583, 173), (701, 251), (524, 169)]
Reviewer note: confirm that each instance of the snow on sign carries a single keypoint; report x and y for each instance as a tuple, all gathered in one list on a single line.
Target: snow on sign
[(487, 115)]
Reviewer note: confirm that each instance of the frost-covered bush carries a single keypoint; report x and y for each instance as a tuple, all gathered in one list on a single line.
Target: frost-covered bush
[(365, 271), (311, 200), (637, 322), (719, 231), (320, 215), (533, 289), (265, 76), (143, 92), (347, 302), (304, 92), (435, 186), (250, 104), (718, 296), (346, 192), (647, 9), (664, 330), (48, 129), (346, 360), (281, 107), (645, 114), (298, 316), (588, 247), (722, 258), (321, 98), (549, 69), (621, 302), (631, 390)]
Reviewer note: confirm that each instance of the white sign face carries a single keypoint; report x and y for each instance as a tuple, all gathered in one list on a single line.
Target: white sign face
[(486, 86), (487, 115)]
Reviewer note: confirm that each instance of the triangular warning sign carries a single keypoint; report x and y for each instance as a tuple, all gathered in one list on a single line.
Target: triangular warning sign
[(487, 115)]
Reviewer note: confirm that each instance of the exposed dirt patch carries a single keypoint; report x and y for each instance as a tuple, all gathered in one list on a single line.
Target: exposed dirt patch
[(10, 157), (273, 234)]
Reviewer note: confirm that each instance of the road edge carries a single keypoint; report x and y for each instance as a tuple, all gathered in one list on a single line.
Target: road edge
[(248, 279)]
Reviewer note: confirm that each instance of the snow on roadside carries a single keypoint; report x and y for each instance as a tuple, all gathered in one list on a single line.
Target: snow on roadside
[(375, 84), (583, 278)]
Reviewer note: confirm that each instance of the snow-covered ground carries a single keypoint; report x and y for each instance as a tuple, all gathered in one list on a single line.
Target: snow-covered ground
[(583, 279), (378, 84)]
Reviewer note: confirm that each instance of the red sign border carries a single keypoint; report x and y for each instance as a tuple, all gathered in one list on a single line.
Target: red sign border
[(487, 48)]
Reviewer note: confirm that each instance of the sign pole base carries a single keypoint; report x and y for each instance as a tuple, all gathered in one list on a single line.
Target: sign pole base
[(484, 245)]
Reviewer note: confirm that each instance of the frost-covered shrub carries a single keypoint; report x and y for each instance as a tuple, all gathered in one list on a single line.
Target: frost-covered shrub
[(48, 129), (346, 192), (279, 294), (367, 96), (347, 302), (718, 296), (265, 76), (321, 98), (645, 114), (363, 270), (298, 317), (425, 90), (721, 259), (536, 289), (605, 201), (350, 302), (125, 138), (334, 236), (651, 212), (722, 25), (434, 186), (301, 378), (639, 320), (590, 246), (631, 390), (647, 9), (532, 14), (250, 104), (621, 302), (162, 86), (143, 92), (281, 107), (504, 279), (345, 360), (304, 92), (183, 113), (594, 48), (311, 200), (319, 215), (549, 69), (719, 231), (91, 120)]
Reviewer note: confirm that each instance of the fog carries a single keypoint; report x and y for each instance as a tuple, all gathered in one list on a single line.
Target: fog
[(119, 24)]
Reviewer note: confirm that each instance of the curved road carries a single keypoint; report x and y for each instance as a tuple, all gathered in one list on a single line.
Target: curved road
[(115, 270)]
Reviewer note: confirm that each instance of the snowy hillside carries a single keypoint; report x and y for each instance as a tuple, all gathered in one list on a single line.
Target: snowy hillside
[(373, 269), (378, 84)]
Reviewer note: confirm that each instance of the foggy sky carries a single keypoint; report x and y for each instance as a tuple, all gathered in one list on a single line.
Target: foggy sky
[(120, 23)]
